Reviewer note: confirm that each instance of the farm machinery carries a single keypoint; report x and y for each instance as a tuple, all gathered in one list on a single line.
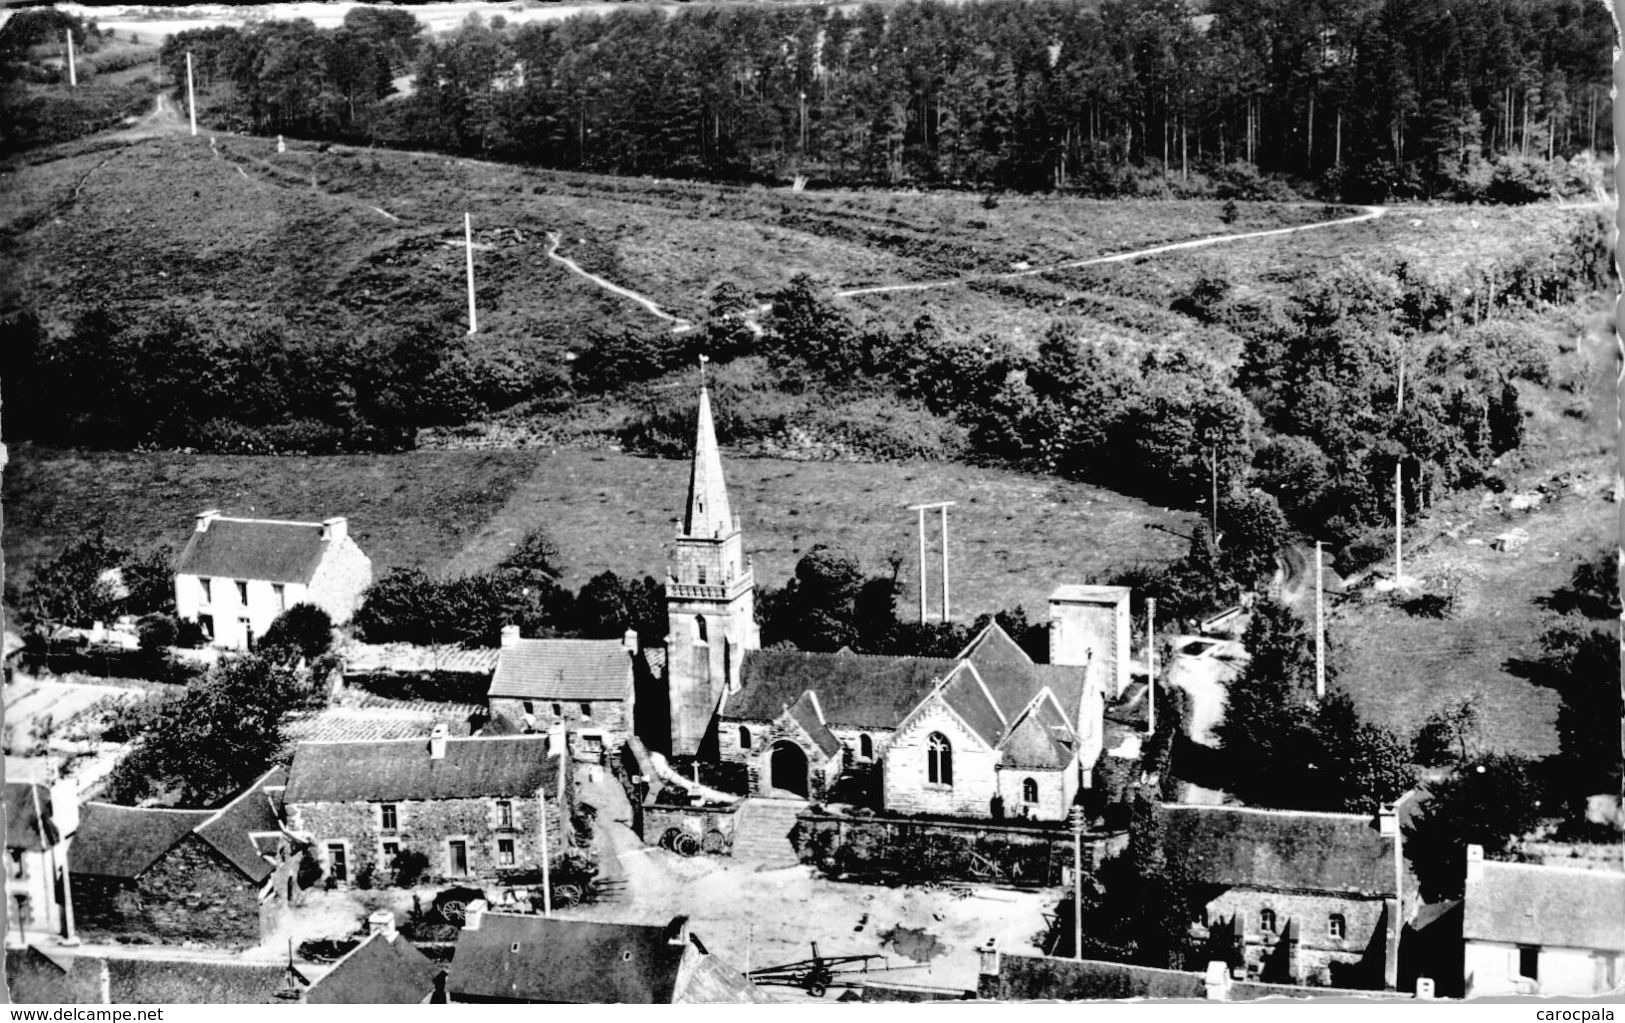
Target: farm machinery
[(820, 973)]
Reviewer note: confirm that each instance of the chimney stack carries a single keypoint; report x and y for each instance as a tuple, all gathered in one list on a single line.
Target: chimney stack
[(629, 642), (335, 529), (437, 742), (382, 922), (510, 636), (1475, 863), (205, 518)]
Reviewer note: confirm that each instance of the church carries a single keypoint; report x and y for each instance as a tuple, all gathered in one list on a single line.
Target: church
[(987, 733)]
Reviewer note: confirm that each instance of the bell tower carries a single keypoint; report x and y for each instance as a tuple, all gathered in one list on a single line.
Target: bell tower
[(710, 596)]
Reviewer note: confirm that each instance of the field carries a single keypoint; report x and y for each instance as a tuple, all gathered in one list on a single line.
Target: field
[(1014, 538)]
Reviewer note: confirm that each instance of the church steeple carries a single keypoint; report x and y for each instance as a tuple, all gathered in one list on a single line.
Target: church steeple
[(708, 515)]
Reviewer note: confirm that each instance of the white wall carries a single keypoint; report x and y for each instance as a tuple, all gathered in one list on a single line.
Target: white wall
[(227, 609), (1491, 968)]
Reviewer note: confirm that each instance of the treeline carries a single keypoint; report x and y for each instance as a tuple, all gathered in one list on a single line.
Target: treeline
[(37, 106), (1365, 99)]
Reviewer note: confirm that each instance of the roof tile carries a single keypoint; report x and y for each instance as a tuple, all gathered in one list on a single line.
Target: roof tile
[(563, 669)]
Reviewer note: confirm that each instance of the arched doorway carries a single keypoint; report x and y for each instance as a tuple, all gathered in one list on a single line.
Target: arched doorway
[(787, 768)]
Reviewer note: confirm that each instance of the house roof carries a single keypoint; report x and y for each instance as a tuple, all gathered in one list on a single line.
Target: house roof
[(964, 692), (382, 970), (1043, 978), (1078, 593), (855, 690), (540, 959), (563, 669), (165, 981), (714, 982), (1014, 680), (1527, 904), (29, 823), (805, 712), (124, 841), (1280, 849), (280, 552), (401, 769), (1039, 739)]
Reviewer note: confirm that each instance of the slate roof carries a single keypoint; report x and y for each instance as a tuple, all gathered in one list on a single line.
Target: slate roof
[(280, 552), (1043, 978), (1527, 904), (379, 971), (714, 982), (564, 961), (965, 693), (164, 981), (29, 823), (1039, 739), (1280, 849), (401, 769), (123, 841), (854, 690), (805, 712), (563, 669), (365, 658), (372, 721), (1013, 679)]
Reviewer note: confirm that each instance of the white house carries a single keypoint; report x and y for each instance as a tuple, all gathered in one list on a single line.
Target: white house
[(235, 576), (1538, 930)]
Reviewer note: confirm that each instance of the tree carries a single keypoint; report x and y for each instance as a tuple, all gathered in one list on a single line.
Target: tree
[(1490, 802), (820, 611), (1451, 735), (303, 631), (79, 587), (602, 608), (534, 555)]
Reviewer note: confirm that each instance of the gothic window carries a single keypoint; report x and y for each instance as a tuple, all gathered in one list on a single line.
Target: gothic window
[(700, 630), (939, 760), (744, 737), (1029, 790), (1266, 921), (866, 747), (1337, 927)]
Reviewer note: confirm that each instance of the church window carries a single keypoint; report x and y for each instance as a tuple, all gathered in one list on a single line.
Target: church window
[(939, 760), (700, 630), (744, 737), (1266, 921), (702, 575), (866, 747), (1029, 790)]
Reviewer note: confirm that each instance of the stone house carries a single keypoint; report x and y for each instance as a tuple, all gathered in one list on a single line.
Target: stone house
[(514, 958), (220, 877), (1294, 896), (472, 806), (235, 576), (385, 969), (586, 686), (40, 821), (1529, 929)]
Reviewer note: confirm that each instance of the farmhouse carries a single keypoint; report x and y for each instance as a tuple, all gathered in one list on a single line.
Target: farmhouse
[(471, 806), (40, 821), (235, 576), (1537, 930), (1294, 896), (222, 877), (507, 957), (587, 686)]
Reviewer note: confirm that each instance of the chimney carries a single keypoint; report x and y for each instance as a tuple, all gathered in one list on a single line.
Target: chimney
[(677, 931), (1388, 820), (629, 642), (437, 742), (510, 636), (335, 529), (474, 914), (204, 518), (987, 958), (1216, 981), (1475, 863), (382, 922)]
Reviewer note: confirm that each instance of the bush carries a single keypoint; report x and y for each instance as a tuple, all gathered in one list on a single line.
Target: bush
[(302, 631), (409, 866), (1518, 180)]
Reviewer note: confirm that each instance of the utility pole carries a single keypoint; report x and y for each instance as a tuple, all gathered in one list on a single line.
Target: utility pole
[(468, 245), (1320, 628), (1077, 882), (1150, 666), (547, 860), (921, 510), (945, 615), (191, 97), (1399, 521), (943, 507), (1213, 473), (73, 72), (803, 123)]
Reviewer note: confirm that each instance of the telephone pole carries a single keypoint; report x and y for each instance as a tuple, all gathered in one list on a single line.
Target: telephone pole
[(191, 97), (1320, 628), (1150, 666), (1077, 882), (73, 72), (943, 507), (1399, 522), (468, 245)]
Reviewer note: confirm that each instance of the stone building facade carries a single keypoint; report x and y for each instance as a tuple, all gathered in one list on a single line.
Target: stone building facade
[(473, 807), (587, 687), (235, 576)]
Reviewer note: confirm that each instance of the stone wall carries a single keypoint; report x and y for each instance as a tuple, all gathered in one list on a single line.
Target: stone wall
[(712, 826), (611, 718), (340, 579), (1056, 791), (426, 826), (906, 786), (190, 894), (1359, 954)]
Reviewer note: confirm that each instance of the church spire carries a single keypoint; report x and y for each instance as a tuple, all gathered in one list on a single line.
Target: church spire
[(708, 515)]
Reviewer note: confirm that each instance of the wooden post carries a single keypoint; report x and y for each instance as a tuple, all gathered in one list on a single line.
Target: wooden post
[(1150, 666), (1399, 523), (73, 72), (1320, 628), (191, 97), (1213, 472), (468, 245), (1077, 883), (945, 616), (547, 860), (922, 564)]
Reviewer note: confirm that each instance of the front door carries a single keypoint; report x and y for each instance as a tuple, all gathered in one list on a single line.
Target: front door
[(787, 768), (459, 857), (339, 864)]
